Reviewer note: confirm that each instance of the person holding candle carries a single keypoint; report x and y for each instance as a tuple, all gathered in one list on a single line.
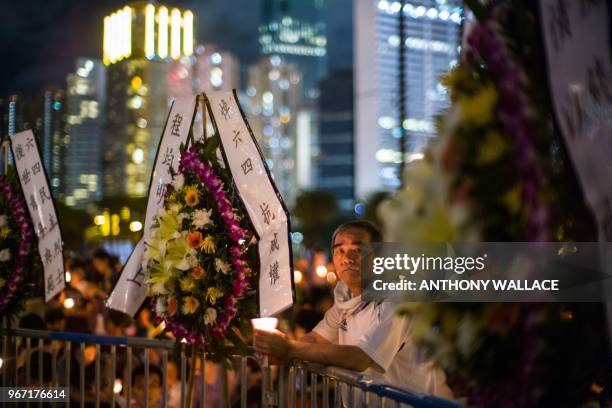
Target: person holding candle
[(358, 335)]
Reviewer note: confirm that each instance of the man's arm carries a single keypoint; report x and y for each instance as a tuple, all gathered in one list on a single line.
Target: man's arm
[(279, 345), (313, 337)]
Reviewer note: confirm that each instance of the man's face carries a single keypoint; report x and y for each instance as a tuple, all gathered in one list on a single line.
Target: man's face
[(347, 255)]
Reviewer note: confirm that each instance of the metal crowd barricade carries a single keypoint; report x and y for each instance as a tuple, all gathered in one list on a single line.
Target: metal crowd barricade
[(19, 342), (305, 384), (299, 385)]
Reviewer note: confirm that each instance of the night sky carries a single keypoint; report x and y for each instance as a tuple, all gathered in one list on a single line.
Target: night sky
[(41, 39)]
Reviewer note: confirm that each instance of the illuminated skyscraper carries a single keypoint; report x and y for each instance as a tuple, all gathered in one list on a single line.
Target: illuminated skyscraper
[(52, 135), (273, 100), (148, 49), (85, 121), (336, 166), (294, 29), (431, 33), (44, 114)]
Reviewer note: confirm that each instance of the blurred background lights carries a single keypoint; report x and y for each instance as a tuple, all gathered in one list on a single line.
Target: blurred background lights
[(275, 60), (274, 75), (267, 97), (359, 208), (69, 303), (138, 156), (297, 276), (118, 386), (216, 58), (297, 237)]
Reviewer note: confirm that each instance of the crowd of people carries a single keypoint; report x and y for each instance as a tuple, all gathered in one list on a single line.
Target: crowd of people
[(80, 308)]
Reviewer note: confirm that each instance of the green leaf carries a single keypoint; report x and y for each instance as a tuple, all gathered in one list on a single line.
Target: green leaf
[(210, 147), (243, 349)]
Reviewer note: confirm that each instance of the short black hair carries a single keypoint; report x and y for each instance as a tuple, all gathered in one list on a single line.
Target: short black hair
[(32, 321), (118, 318), (140, 372), (375, 232), (55, 315)]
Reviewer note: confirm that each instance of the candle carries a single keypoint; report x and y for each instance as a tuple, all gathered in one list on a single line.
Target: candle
[(265, 324)]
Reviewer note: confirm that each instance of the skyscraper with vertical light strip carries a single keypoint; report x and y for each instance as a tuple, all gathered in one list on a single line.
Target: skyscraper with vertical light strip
[(148, 50), (431, 41)]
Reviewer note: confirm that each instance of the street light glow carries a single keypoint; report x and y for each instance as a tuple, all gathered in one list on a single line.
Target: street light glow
[(321, 271), (150, 31), (188, 33), (297, 276), (69, 303), (162, 32), (175, 34)]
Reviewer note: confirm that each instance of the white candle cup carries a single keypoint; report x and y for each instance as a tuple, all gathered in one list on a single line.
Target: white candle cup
[(265, 324)]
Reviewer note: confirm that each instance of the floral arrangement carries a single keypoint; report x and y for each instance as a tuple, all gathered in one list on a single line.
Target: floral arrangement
[(198, 255), (497, 172), (17, 247)]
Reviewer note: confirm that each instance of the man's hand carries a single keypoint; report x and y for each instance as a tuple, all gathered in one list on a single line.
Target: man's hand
[(275, 344)]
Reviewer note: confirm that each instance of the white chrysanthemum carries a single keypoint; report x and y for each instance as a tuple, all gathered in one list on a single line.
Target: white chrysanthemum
[(5, 255), (210, 316), (3, 220), (222, 266), (183, 265), (159, 288), (201, 218), (178, 182)]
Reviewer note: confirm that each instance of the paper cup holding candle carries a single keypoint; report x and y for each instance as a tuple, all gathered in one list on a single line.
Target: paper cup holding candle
[(265, 324)]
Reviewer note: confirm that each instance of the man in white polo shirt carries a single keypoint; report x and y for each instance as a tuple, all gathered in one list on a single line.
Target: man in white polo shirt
[(357, 335)]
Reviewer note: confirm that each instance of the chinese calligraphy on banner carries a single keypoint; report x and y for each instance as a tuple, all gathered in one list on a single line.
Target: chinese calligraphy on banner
[(42, 210), (261, 199), (131, 289)]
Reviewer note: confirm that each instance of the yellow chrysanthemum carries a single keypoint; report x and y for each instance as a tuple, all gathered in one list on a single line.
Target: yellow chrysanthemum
[(5, 231), (491, 148), (190, 305), (213, 294), (478, 109), (208, 245), (512, 198), (192, 197), (187, 284)]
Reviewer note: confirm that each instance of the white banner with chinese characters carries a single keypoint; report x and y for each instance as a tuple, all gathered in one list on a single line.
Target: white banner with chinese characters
[(576, 38), (40, 204), (261, 199), (131, 289)]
